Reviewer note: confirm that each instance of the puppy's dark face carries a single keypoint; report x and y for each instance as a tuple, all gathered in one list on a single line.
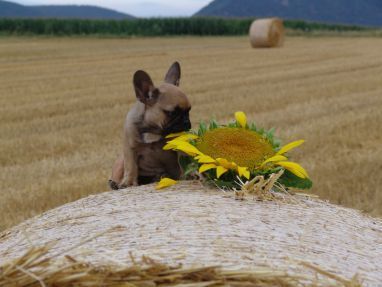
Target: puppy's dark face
[(177, 120), (167, 108), (171, 112)]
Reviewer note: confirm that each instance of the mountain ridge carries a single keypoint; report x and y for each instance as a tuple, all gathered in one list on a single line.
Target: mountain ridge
[(352, 12), (15, 10)]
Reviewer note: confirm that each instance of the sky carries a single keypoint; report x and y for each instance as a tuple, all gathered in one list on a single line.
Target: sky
[(145, 8)]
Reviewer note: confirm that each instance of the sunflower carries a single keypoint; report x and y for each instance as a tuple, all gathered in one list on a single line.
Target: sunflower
[(236, 148)]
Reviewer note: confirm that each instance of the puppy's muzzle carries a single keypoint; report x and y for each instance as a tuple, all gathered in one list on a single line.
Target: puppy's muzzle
[(187, 124), (180, 125)]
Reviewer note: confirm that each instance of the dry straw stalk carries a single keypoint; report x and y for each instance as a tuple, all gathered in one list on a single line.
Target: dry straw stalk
[(36, 268)]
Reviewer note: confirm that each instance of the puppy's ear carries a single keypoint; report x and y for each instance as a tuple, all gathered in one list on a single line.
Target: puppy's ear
[(173, 74), (144, 88)]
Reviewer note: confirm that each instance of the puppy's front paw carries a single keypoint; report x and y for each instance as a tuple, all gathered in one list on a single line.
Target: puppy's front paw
[(128, 181), (113, 185)]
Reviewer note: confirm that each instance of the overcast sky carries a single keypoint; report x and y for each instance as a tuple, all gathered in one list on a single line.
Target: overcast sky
[(145, 8)]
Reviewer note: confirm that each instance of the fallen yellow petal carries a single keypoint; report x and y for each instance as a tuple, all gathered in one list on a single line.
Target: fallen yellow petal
[(206, 166), (241, 118), (294, 168), (275, 159), (220, 171), (165, 182), (290, 146)]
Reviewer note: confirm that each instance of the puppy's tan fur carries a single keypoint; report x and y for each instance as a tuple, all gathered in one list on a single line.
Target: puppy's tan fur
[(158, 111)]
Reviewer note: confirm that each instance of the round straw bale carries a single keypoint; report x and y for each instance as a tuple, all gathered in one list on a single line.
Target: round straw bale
[(266, 33), (196, 226)]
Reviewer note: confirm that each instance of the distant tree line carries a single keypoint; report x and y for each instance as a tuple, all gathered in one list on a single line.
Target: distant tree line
[(150, 27)]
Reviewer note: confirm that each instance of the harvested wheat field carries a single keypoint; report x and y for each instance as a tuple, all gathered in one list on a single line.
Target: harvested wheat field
[(63, 102)]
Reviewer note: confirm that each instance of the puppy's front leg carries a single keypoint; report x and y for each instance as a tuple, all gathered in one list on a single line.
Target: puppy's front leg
[(130, 166), (117, 173), (130, 169)]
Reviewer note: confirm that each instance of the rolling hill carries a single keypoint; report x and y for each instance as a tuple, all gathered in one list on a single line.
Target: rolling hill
[(14, 10), (355, 12)]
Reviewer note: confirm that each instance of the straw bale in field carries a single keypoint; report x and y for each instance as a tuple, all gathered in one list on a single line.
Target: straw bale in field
[(266, 33), (196, 226)]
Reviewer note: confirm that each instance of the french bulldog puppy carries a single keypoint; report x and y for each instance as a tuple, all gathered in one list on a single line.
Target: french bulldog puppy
[(158, 112)]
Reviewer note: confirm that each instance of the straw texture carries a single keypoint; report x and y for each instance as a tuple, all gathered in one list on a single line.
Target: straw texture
[(36, 268), (201, 227), (267, 33)]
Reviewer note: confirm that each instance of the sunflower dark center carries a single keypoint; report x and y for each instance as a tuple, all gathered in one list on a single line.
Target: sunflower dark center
[(244, 147)]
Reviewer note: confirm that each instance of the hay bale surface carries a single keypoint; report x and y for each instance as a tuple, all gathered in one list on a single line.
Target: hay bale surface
[(267, 33), (200, 227)]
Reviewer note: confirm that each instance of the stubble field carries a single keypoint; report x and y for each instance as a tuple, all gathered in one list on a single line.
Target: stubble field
[(63, 103)]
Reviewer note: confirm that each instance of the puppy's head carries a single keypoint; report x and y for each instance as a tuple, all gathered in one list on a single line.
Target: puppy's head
[(166, 106)]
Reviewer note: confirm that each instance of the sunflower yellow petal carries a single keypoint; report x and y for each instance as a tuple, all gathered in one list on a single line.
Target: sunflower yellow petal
[(275, 159), (206, 166), (169, 145), (294, 168), (243, 171), (184, 138), (290, 146), (241, 118), (204, 159), (173, 144), (187, 137), (165, 182), (175, 135), (220, 171), (187, 148), (225, 163)]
